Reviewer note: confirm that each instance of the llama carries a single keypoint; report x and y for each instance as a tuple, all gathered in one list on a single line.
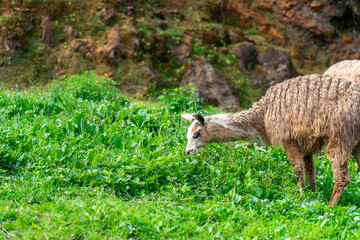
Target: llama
[(349, 69), (301, 114)]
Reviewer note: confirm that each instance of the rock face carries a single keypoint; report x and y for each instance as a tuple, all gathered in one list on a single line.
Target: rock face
[(130, 38), (119, 43), (11, 41), (319, 17), (105, 15), (84, 46), (316, 33), (212, 87), (335, 23), (110, 53), (47, 28), (327, 31), (243, 12), (349, 69), (277, 67)]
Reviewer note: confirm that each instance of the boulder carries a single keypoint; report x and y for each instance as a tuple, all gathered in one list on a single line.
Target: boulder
[(235, 35), (212, 86), (84, 46), (105, 15), (110, 53), (277, 67), (247, 55), (119, 43), (210, 37), (183, 50)]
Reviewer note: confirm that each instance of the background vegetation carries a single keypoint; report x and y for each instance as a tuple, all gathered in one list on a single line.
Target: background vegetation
[(81, 161), (158, 25)]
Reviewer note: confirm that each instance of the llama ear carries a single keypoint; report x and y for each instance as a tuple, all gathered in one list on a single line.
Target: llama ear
[(188, 116), (199, 118)]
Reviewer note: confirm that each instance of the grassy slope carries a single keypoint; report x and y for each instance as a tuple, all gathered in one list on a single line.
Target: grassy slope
[(81, 161)]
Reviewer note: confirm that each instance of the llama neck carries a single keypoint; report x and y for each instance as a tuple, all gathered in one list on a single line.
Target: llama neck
[(247, 125)]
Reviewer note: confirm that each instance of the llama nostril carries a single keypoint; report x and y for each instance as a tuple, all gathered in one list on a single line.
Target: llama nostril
[(189, 152)]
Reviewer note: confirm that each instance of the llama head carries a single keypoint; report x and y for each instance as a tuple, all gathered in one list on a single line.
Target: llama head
[(197, 136)]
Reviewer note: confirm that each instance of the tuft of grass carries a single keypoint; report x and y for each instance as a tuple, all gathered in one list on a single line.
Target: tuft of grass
[(178, 100), (251, 31)]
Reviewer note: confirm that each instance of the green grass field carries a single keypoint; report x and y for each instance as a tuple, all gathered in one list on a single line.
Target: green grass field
[(81, 161)]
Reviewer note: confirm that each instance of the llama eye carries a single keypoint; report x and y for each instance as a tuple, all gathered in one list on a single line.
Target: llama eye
[(196, 135)]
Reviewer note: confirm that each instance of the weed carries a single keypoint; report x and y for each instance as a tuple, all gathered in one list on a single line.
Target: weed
[(251, 31)]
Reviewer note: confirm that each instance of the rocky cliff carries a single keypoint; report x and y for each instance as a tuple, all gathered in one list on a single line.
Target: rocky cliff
[(151, 44)]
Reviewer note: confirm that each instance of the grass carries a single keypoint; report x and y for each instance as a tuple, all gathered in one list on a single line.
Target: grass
[(81, 161)]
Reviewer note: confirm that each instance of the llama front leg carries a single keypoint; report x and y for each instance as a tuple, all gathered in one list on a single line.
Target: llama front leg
[(310, 171), (296, 158), (339, 160)]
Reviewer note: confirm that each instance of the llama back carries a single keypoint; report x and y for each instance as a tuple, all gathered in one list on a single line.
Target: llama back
[(311, 108), (349, 69)]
